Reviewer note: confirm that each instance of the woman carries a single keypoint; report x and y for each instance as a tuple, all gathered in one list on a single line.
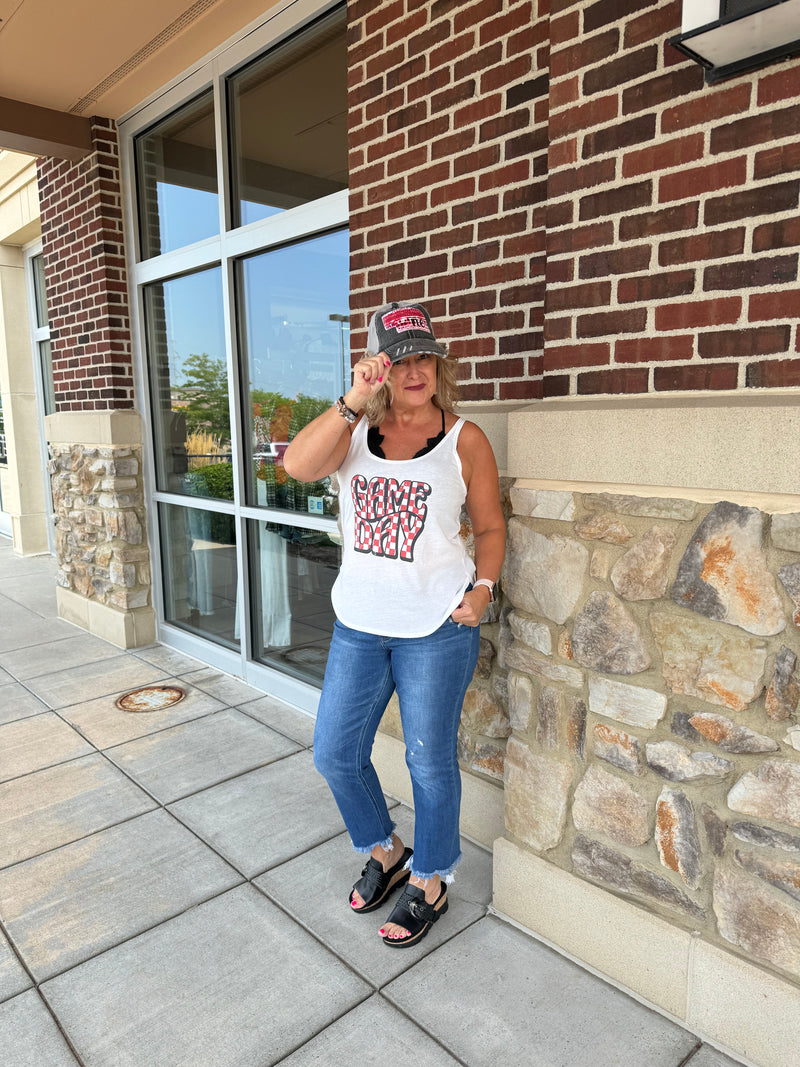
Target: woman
[(407, 600)]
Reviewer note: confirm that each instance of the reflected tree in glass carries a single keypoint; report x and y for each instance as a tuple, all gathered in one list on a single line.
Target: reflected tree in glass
[(189, 384)]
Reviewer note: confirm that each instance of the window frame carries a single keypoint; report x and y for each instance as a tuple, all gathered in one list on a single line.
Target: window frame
[(39, 334), (224, 250)]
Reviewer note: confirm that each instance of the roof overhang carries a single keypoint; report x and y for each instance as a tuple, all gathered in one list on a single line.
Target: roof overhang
[(61, 63)]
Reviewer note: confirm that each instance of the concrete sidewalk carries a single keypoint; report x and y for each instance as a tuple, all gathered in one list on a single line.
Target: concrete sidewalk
[(173, 891)]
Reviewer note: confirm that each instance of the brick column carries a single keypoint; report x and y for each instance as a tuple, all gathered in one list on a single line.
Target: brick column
[(84, 257), (95, 436)]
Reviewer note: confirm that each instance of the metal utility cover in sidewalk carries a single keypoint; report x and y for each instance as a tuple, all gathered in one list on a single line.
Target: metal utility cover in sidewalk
[(150, 698)]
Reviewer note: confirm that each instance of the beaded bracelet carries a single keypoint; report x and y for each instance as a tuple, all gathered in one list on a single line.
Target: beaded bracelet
[(347, 413)]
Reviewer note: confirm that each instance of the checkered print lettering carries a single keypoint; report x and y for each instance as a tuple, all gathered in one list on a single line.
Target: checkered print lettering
[(389, 515), (405, 319)]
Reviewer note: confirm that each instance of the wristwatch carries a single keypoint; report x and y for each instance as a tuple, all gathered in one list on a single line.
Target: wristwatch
[(490, 585)]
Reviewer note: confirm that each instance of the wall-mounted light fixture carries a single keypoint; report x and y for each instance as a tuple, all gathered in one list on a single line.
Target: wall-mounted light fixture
[(729, 37)]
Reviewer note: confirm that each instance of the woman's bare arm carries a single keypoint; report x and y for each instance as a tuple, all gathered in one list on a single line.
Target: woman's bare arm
[(320, 447), (486, 516)]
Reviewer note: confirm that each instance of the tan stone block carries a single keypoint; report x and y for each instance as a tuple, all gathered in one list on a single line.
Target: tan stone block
[(483, 714), (701, 661), (545, 574), (542, 503), (630, 704), (783, 874), (618, 748), (521, 700), (603, 528), (605, 804), (679, 764), (126, 600), (521, 658), (785, 531), (600, 564), (643, 572), (653, 507), (535, 634), (773, 792), (537, 790), (731, 736), (489, 758), (755, 918)]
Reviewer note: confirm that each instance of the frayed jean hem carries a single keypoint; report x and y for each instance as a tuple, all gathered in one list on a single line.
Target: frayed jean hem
[(447, 874), (386, 843)]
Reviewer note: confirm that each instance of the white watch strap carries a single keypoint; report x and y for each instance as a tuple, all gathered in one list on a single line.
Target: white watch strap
[(488, 583)]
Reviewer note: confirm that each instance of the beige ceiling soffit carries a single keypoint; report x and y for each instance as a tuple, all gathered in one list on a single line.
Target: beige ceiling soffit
[(190, 15), (41, 131)]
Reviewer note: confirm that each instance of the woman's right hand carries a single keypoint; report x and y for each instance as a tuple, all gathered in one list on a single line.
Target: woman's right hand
[(369, 375)]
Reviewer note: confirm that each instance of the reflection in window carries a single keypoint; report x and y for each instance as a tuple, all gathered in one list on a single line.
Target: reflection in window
[(189, 384), (296, 359), (39, 291), (176, 172), (288, 117), (48, 389), (293, 570), (200, 573)]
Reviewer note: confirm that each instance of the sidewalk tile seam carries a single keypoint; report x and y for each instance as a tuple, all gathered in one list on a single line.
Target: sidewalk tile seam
[(161, 729), (306, 747), (202, 789), (38, 983), (687, 1059)]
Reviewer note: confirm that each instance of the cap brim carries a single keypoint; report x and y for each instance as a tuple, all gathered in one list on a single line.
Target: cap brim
[(402, 349)]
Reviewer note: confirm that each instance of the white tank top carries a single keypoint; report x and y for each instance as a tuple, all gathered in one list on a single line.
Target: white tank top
[(404, 564)]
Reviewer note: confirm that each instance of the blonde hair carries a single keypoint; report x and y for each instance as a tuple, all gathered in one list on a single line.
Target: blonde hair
[(445, 397)]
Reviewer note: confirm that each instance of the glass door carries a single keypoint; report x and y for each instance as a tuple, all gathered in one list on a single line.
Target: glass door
[(241, 282)]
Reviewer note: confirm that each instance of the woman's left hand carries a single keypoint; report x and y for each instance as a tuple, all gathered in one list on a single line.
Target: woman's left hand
[(472, 607)]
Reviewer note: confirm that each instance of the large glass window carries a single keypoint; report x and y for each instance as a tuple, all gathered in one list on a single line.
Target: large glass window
[(246, 338), (293, 572), (200, 572), (288, 114), (295, 358), (189, 385), (176, 170)]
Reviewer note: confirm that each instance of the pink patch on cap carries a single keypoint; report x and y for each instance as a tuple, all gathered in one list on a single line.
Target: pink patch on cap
[(402, 319)]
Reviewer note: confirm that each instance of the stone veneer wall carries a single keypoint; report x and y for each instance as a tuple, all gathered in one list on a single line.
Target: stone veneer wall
[(650, 647), (101, 539)]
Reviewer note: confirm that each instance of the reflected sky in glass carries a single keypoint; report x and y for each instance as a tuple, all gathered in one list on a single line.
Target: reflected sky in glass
[(293, 345)]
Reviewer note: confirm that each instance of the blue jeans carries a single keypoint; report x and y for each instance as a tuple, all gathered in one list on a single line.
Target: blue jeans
[(431, 675)]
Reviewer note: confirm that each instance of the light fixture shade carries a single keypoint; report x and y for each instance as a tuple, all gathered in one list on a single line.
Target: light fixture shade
[(744, 35)]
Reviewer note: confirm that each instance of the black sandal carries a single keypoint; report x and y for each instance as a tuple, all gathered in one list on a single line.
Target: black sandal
[(415, 914), (375, 884)]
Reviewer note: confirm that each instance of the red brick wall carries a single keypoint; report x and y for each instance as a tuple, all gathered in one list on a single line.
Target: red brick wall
[(494, 144), (448, 177), (84, 260)]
